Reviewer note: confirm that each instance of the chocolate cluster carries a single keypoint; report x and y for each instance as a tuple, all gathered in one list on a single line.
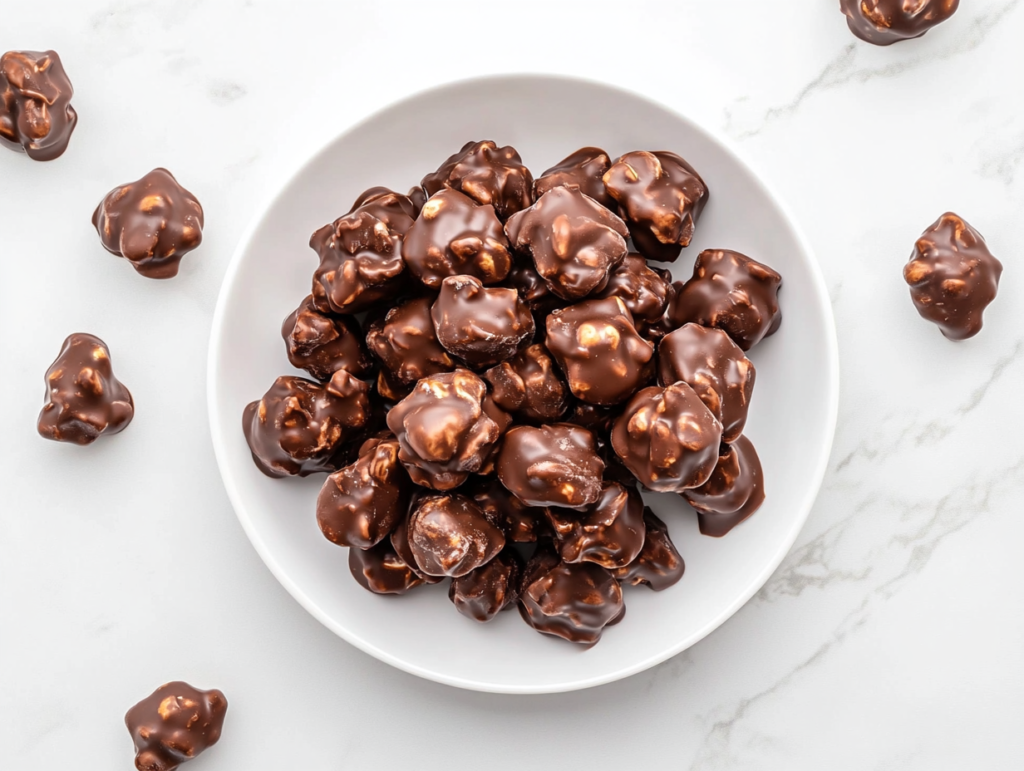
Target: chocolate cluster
[(174, 724), (36, 116), (884, 22)]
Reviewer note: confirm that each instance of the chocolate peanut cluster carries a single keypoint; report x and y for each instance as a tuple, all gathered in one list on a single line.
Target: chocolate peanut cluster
[(36, 116), (884, 22), (174, 724)]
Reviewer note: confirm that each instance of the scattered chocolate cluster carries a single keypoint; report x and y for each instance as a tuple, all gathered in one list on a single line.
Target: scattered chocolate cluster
[(496, 371), (174, 724), (884, 22)]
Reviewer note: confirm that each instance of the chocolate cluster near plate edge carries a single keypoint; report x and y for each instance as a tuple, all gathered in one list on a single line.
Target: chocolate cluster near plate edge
[(884, 22), (175, 724), (36, 116)]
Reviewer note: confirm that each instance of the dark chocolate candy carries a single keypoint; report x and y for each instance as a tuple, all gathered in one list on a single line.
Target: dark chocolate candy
[(884, 22), (520, 523), (534, 290), (644, 291), (659, 564), (418, 198), (552, 465), (488, 174), (482, 593), (322, 343), (400, 542), (381, 570), (450, 536), (36, 116), (529, 386), (734, 491), (583, 169), (406, 343), (609, 532), (174, 724)]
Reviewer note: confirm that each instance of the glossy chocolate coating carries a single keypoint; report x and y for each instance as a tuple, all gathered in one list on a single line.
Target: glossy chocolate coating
[(387, 198), (603, 357), (174, 724), (360, 504), (444, 432), (299, 427), (361, 254), (400, 542), (84, 399), (668, 438), (730, 291), (534, 290), (715, 367), (520, 523), (381, 570), (661, 197), (322, 343), (884, 22), (529, 386), (609, 532), (953, 277), (659, 564), (450, 536), (418, 198), (406, 343), (152, 223), (551, 465), (485, 591), (574, 241), (583, 169), (453, 236), (488, 174), (733, 492), (36, 116), (481, 325), (572, 601), (644, 291)]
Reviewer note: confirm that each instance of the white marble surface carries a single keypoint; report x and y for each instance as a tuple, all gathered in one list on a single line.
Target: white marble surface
[(890, 638)]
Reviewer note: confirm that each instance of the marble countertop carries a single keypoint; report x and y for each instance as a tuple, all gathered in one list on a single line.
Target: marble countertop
[(891, 636)]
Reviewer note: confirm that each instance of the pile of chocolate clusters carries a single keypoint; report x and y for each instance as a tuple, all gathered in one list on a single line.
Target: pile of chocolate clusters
[(497, 375)]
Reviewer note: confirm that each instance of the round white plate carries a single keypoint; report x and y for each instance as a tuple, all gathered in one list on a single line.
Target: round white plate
[(791, 422)]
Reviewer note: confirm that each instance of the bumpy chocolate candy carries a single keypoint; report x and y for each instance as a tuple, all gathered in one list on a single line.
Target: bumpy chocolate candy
[(152, 223), (583, 169), (299, 427), (644, 291), (534, 290), (444, 432), (733, 492), (400, 542), (322, 343), (85, 400), (884, 22), (481, 325), (360, 504), (609, 532), (528, 385), (953, 277), (597, 347), (174, 724), (488, 174), (418, 198), (715, 367), (484, 592), (520, 523), (450, 536), (574, 241), (552, 465), (659, 564), (361, 254), (406, 343), (668, 438), (36, 116), (381, 570), (730, 291), (572, 601), (661, 197)]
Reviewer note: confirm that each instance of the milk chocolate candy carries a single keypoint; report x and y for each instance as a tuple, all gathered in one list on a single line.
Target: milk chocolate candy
[(659, 564), (730, 291), (360, 504), (660, 197), (361, 255), (406, 344), (552, 465), (174, 724), (443, 430), (380, 570), (322, 343), (85, 400), (529, 386), (572, 601), (884, 22), (715, 367), (597, 347), (388, 198), (418, 198), (400, 543), (583, 169), (152, 223), (953, 277), (36, 116), (489, 589), (573, 240), (734, 491), (450, 536), (609, 532), (534, 290), (644, 291), (519, 522), (299, 427), (668, 438), (481, 325), (488, 174)]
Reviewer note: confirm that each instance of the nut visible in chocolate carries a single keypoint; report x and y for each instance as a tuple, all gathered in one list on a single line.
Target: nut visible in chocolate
[(406, 343), (450, 536), (528, 386), (322, 343), (730, 291), (953, 277), (85, 400), (152, 223), (381, 570), (174, 724), (488, 174), (552, 465), (661, 198), (484, 592), (884, 22), (734, 491), (609, 532), (584, 169), (659, 564), (644, 290), (36, 116)]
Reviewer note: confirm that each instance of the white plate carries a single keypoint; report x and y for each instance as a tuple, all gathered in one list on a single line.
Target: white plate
[(791, 422)]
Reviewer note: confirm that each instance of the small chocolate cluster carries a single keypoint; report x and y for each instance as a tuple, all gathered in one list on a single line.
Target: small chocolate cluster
[(36, 116), (525, 375), (174, 724), (884, 22)]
